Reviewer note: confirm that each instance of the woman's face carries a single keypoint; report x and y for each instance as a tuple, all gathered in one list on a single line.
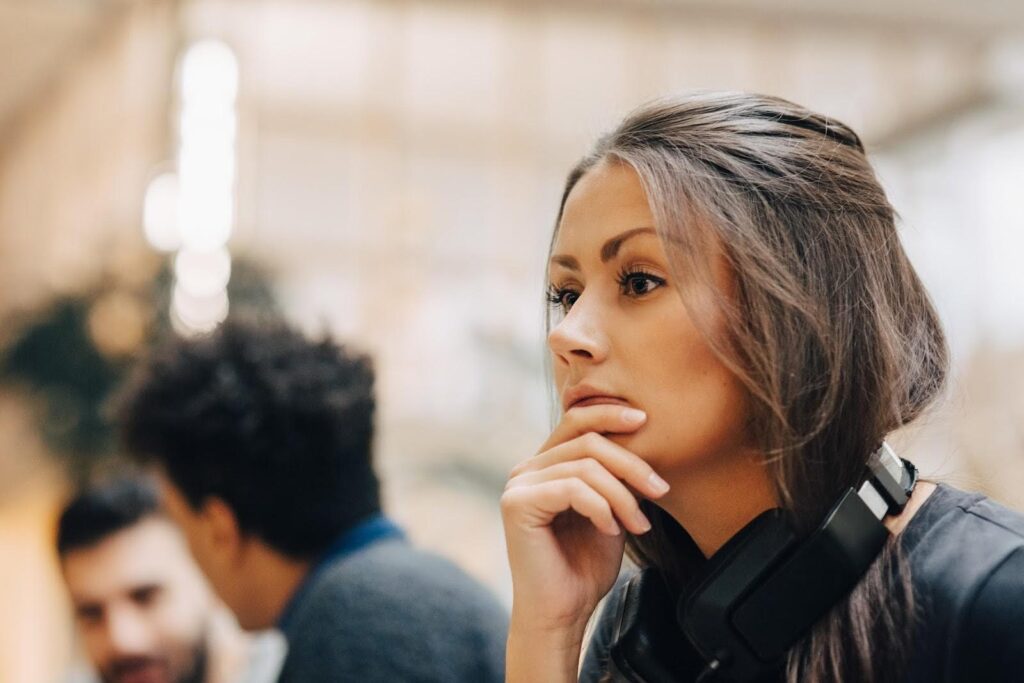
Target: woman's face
[(626, 336)]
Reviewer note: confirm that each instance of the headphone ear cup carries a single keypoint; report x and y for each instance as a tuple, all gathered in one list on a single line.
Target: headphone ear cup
[(705, 613), (648, 646), (765, 588)]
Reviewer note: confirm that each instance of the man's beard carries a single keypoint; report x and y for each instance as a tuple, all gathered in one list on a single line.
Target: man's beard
[(200, 660), (196, 672)]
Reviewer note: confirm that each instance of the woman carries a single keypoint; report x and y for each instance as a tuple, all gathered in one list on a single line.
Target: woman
[(736, 329)]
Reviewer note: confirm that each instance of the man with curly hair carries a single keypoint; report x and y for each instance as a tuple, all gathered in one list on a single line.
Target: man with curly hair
[(262, 440)]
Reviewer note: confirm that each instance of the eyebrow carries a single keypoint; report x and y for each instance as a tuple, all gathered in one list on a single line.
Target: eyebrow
[(608, 250)]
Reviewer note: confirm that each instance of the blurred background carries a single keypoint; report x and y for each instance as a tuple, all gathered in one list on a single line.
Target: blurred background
[(389, 171)]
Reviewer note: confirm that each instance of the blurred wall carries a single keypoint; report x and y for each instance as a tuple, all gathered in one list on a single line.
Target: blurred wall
[(955, 182), (400, 164), (75, 156)]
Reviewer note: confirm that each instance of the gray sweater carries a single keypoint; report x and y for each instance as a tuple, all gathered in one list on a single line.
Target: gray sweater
[(392, 613)]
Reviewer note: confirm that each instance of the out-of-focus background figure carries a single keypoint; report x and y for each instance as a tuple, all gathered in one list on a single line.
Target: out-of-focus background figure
[(388, 171), (143, 610), (262, 441)]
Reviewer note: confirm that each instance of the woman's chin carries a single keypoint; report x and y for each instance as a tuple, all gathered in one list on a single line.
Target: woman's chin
[(640, 444)]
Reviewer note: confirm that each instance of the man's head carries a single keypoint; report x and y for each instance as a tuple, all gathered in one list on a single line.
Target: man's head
[(140, 603), (263, 441)]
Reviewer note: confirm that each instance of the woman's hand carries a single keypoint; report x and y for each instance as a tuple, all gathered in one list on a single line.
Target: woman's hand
[(564, 510)]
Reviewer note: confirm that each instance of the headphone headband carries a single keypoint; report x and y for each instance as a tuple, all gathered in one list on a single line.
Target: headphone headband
[(889, 482)]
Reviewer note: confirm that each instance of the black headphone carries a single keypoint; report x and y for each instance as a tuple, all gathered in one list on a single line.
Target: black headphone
[(761, 592)]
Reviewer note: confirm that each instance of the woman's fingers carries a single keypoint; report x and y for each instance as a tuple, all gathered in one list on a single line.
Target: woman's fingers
[(538, 505), (622, 463), (602, 418), (622, 502), (579, 468)]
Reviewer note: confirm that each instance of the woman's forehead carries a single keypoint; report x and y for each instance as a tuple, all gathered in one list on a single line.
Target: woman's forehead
[(608, 200)]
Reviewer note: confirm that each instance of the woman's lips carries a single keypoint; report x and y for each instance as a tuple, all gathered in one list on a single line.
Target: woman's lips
[(599, 400), (581, 395)]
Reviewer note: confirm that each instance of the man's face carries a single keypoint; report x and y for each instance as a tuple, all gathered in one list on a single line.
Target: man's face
[(141, 605), (218, 547)]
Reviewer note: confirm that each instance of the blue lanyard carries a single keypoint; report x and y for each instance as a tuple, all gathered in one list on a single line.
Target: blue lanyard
[(366, 533)]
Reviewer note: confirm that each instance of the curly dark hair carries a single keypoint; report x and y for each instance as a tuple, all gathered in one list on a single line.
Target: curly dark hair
[(277, 426)]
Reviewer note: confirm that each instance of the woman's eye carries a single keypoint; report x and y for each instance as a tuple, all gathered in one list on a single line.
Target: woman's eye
[(639, 284), (562, 298)]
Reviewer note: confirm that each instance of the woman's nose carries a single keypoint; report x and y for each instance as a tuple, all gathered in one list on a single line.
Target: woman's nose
[(579, 336)]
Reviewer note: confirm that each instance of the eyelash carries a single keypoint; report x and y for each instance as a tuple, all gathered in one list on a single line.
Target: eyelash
[(556, 295), (626, 275)]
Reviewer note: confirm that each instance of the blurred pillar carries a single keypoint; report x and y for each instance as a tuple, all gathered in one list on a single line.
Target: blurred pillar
[(74, 162)]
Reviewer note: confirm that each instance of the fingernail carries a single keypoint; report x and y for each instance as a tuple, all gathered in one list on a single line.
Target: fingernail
[(634, 416), (657, 485), (614, 529), (643, 522)]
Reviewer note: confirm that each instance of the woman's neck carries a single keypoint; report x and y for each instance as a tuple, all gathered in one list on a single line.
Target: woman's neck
[(714, 502)]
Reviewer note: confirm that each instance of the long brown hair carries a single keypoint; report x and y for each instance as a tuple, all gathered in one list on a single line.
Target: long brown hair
[(830, 330)]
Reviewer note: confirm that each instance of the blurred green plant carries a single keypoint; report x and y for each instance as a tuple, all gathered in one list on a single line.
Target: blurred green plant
[(70, 356)]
